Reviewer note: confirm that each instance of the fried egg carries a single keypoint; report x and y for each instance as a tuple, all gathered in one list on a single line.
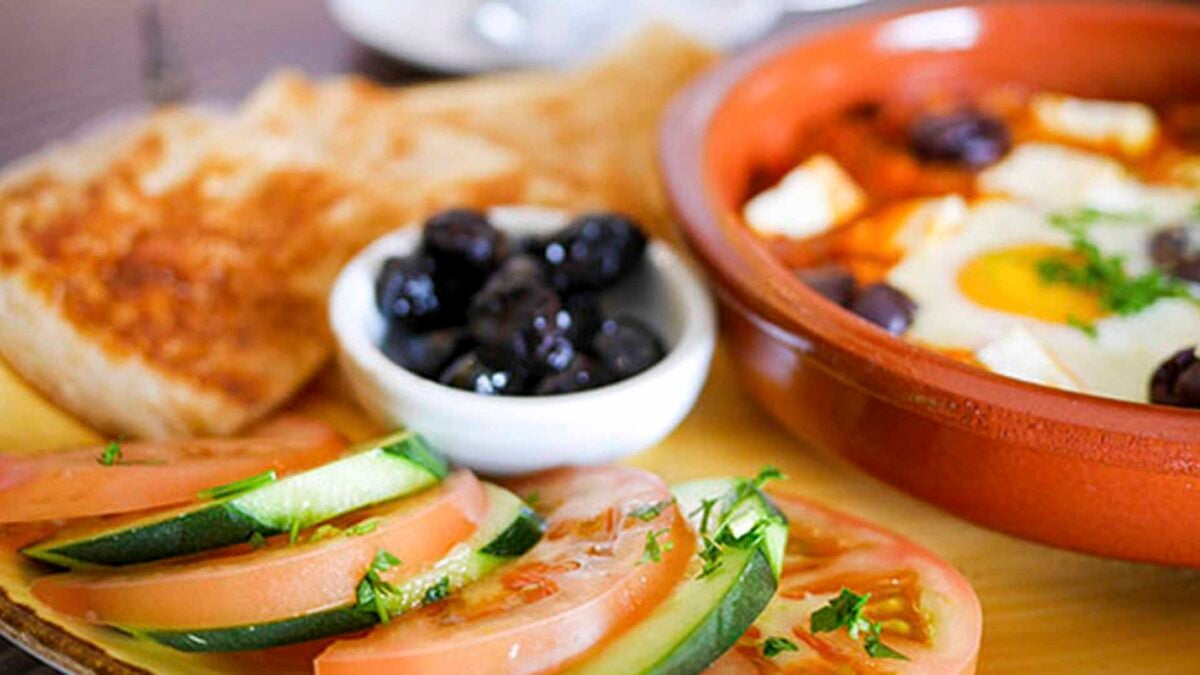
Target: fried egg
[(978, 290)]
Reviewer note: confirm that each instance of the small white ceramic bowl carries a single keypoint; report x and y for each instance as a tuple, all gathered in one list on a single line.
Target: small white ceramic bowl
[(510, 434)]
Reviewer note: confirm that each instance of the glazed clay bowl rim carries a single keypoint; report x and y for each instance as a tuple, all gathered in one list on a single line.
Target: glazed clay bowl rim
[(751, 280)]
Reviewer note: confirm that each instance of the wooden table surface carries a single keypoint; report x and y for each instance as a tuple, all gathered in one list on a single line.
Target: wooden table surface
[(67, 61)]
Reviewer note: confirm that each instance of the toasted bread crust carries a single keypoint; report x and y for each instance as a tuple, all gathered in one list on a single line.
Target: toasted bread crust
[(159, 300), (577, 141)]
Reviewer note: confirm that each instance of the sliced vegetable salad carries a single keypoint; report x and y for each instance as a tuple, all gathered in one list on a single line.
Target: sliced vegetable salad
[(398, 563)]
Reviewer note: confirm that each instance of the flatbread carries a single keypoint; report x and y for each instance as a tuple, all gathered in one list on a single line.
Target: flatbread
[(168, 277), (584, 140)]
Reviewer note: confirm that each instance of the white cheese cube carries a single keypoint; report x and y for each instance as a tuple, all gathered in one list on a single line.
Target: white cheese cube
[(1058, 177), (929, 221), (1131, 128), (1019, 355), (812, 198)]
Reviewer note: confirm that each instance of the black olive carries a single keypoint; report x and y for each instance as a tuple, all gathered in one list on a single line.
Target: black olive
[(519, 321), (471, 373), (966, 137), (885, 306), (463, 242), (1176, 381), (1169, 246), (593, 251), (581, 374), (1189, 270), (1177, 251), (586, 316), (832, 281), (529, 245), (424, 354), (626, 347), (410, 292)]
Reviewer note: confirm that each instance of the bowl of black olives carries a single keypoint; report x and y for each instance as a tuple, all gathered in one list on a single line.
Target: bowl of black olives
[(523, 338)]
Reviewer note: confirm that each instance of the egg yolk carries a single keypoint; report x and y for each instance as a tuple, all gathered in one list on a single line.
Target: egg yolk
[(1007, 280)]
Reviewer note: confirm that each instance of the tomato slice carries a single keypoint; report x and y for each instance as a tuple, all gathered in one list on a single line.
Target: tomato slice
[(280, 580), (73, 484), (589, 579), (928, 611)]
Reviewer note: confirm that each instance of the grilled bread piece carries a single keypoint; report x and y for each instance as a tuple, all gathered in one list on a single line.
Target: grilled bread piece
[(573, 140), (596, 131), (394, 155), (167, 277)]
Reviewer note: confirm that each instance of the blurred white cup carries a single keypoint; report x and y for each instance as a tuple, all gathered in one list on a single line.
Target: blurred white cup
[(480, 35)]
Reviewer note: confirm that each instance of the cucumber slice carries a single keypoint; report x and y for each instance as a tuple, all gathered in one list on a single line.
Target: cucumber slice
[(703, 617), (509, 530), (373, 472)]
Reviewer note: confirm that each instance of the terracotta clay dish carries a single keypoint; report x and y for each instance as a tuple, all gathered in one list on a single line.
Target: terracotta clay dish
[(1103, 476)]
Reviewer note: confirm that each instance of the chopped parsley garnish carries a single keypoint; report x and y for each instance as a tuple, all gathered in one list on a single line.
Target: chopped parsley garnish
[(257, 541), (437, 592), (372, 591), (1086, 327), (325, 532), (384, 561), (745, 488), (776, 645), (875, 648), (846, 611), (649, 512), (746, 540), (713, 547), (533, 498), (1087, 215), (654, 547), (239, 486), (363, 527), (1106, 275), (705, 512), (111, 454), (766, 474), (710, 555), (328, 531)]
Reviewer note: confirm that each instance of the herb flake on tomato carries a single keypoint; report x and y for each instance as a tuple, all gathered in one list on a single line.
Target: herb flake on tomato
[(372, 591), (846, 611), (776, 645), (111, 454)]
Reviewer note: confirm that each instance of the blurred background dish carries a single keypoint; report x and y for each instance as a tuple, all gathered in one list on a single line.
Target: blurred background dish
[(466, 36)]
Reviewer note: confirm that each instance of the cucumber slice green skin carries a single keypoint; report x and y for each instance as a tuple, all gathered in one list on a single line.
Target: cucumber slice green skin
[(518, 538), (703, 618), (384, 469), (521, 530), (726, 623), (289, 631), (198, 530)]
